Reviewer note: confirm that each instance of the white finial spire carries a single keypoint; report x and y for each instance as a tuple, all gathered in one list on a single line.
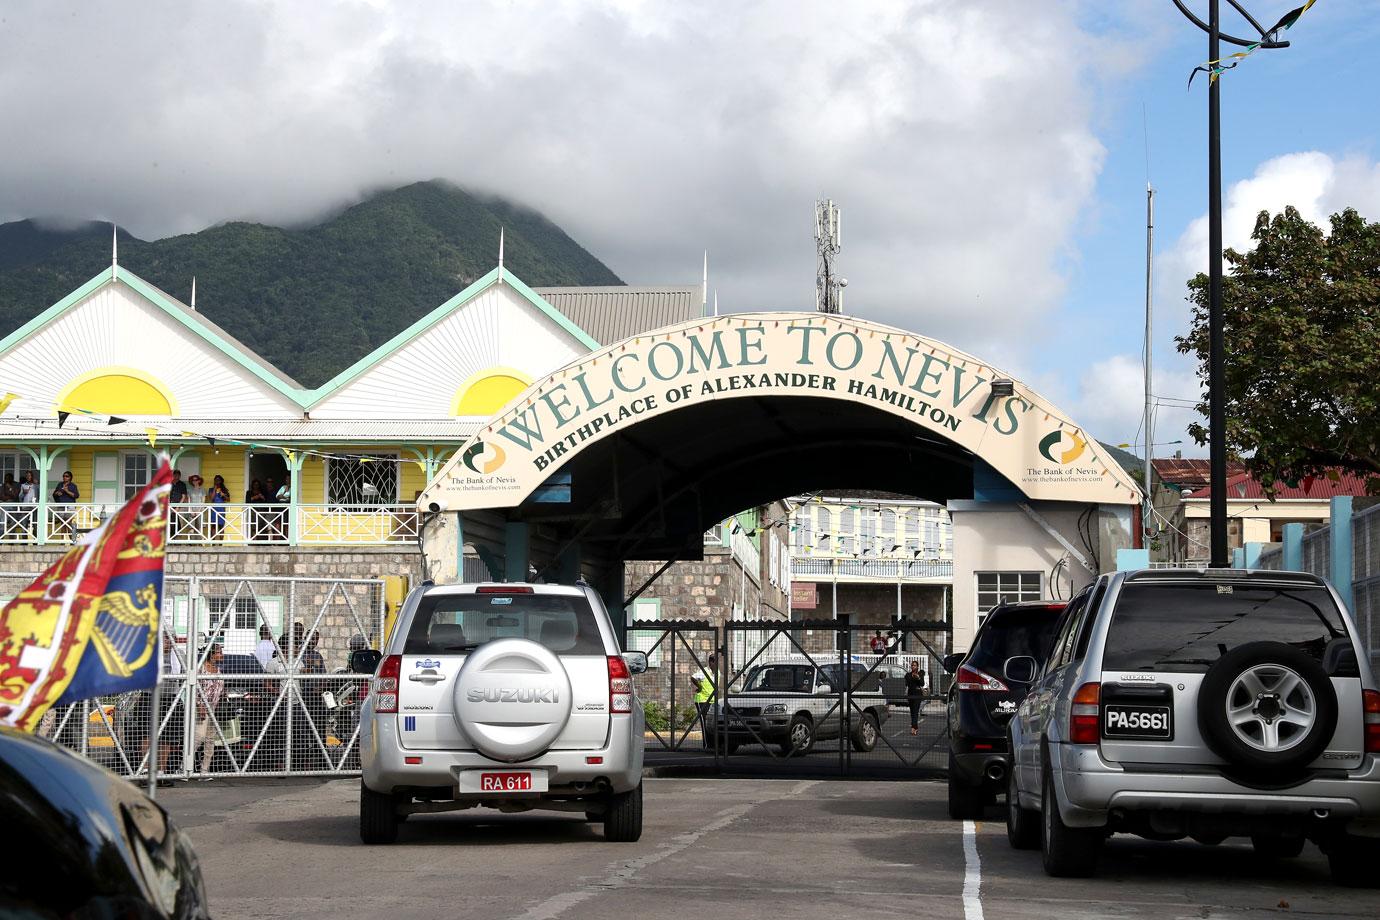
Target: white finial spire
[(114, 252), (704, 282), (500, 254), (716, 301), (193, 305)]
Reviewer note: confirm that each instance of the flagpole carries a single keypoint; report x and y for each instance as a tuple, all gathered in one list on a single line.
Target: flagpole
[(153, 716)]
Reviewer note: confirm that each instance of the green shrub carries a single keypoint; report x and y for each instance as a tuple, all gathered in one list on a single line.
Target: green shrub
[(656, 717)]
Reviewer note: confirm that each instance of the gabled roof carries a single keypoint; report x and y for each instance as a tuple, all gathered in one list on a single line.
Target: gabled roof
[(198, 324), (496, 276), (616, 312)]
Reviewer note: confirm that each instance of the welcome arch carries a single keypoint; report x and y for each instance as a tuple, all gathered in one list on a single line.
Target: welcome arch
[(674, 389)]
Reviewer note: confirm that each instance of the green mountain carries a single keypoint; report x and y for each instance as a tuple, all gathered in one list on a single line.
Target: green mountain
[(312, 300)]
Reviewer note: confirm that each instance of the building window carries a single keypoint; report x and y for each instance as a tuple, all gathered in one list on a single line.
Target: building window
[(995, 588), (136, 468), (888, 521), (849, 521), (13, 463), (349, 482)]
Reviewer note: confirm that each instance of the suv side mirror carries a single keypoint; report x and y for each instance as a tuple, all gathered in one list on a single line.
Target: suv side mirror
[(1021, 668), (951, 662), (365, 660), (636, 661)]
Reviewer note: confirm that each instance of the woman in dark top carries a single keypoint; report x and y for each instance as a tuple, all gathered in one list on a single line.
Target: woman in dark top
[(915, 694), (254, 496)]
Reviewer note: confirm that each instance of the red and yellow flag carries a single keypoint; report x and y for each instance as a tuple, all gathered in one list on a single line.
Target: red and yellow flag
[(89, 625)]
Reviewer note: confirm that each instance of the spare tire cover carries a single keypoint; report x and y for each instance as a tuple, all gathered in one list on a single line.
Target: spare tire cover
[(512, 699), (1267, 706)]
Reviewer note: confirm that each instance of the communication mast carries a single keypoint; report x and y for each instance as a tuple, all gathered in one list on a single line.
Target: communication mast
[(828, 241)]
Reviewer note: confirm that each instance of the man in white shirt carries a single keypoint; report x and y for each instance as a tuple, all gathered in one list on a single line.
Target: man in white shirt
[(265, 648)]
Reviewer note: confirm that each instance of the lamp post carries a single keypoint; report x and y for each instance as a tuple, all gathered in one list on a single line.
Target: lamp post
[(1217, 410)]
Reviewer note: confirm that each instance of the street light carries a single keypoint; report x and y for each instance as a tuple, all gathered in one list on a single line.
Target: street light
[(1217, 410)]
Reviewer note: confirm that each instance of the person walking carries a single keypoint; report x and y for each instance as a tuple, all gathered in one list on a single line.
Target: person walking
[(703, 683), (209, 697), (915, 694)]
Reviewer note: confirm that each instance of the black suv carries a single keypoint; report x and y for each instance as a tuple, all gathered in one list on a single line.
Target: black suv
[(990, 680)]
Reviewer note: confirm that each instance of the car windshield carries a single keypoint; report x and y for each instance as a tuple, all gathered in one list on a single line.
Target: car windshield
[(1187, 627), (864, 681), (449, 623), (1012, 631), (791, 678)]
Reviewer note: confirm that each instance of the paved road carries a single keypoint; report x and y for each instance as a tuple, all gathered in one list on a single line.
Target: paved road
[(712, 847)]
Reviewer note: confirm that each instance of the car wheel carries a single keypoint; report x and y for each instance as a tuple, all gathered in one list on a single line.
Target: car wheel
[(1352, 861), (865, 738), (378, 816), (800, 737), (1069, 852), (965, 802), (1022, 824), (1273, 847), (623, 819)]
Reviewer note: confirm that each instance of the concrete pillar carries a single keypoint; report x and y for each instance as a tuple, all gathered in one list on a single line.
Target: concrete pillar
[(1238, 558), (568, 565), (1339, 547), (1293, 548), (1253, 551), (517, 553)]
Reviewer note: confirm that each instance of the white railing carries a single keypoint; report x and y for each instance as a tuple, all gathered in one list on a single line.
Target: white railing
[(228, 524), (881, 569)]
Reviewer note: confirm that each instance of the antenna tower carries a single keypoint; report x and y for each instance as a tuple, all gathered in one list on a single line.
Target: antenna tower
[(828, 241)]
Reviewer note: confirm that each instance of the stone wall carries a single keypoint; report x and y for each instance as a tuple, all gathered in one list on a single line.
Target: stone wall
[(253, 561), (875, 604), (705, 590)]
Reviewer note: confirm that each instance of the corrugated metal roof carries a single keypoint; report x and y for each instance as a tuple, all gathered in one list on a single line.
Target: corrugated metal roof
[(1245, 487), (611, 314), (83, 428)]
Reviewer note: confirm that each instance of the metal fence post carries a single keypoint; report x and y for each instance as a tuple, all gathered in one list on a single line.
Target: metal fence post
[(190, 685)]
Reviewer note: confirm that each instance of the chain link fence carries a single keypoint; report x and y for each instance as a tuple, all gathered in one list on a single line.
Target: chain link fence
[(256, 681)]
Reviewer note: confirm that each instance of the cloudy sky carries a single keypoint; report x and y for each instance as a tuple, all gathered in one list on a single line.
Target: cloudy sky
[(990, 157)]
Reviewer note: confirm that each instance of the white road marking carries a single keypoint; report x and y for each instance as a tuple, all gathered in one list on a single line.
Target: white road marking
[(553, 907), (972, 874)]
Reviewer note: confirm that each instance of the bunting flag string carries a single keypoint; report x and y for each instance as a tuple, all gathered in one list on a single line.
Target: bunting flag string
[(1216, 68)]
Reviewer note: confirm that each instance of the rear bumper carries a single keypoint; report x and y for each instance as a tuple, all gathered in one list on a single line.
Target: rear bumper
[(981, 768), (385, 770), (1091, 788)]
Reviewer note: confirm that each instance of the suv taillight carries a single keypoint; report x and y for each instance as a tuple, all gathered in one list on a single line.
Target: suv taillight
[(620, 685), (385, 686), (1084, 719), (970, 678), (1371, 701)]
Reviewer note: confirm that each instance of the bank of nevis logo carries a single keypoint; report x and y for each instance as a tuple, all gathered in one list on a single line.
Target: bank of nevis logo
[(483, 458), (1068, 445)]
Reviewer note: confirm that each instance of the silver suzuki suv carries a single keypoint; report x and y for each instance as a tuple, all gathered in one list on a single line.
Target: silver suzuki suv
[(1204, 705), (510, 696)]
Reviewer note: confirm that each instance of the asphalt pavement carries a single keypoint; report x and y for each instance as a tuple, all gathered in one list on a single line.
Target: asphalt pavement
[(745, 848)]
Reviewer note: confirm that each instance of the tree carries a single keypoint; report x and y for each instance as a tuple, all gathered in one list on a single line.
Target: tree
[(1302, 322)]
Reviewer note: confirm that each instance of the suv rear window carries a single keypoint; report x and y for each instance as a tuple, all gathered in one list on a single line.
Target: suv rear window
[(450, 623), (1187, 627), (1011, 631)]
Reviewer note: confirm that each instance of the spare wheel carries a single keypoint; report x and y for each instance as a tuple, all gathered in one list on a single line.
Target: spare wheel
[(1267, 706), (512, 699)]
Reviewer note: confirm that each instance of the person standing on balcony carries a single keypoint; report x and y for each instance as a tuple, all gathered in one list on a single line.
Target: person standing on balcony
[(254, 495), (196, 497), (177, 495), (66, 493), (28, 495), (217, 497), (282, 496), (9, 496)]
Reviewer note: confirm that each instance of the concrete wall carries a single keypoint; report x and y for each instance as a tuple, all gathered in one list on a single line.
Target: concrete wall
[(1000, 537), (706, 590)]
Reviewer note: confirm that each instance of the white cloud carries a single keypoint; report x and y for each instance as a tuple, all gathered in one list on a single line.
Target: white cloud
[(956, 137)]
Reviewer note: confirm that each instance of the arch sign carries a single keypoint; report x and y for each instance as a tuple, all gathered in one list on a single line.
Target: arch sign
[(934, 386)]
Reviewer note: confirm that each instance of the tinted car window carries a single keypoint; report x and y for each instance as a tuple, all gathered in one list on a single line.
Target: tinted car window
[(449, 623), (863, 682), (789, 677), (1014, 631), (1188, 627)]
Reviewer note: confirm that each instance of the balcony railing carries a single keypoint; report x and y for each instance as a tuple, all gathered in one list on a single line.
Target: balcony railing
[(805, 569), (224, 524)]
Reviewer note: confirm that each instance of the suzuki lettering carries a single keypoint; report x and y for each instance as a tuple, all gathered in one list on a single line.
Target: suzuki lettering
[(512, 695)]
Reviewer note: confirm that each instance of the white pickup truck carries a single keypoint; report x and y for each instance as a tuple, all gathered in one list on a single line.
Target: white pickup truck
[(794, 703)]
